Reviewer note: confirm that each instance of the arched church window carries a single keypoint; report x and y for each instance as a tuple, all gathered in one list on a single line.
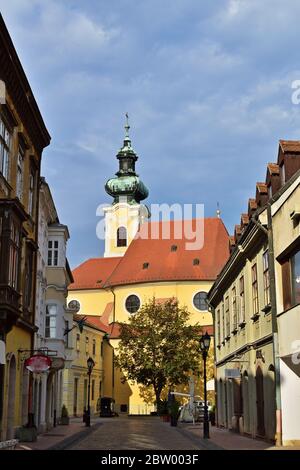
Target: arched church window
[(121, 236)]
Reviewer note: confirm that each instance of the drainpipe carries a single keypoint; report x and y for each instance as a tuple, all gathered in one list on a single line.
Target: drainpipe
[(276, 357), (278, 437)]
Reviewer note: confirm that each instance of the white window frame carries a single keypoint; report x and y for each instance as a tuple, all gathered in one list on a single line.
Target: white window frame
[(52, 318)]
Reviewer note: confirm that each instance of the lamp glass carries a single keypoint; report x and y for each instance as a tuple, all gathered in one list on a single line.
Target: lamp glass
[(90, 363)]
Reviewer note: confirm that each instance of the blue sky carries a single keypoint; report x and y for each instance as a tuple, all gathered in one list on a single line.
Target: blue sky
[(207, 86)]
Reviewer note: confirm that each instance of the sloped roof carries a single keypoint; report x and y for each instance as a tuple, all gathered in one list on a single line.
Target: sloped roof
[(292, 146), (93, 273), (150, 258)]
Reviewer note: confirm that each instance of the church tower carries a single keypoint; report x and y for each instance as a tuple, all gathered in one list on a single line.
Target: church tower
[(125, 215)]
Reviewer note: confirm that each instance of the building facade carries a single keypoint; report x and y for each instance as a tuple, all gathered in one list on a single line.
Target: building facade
[(23, 136), (88, 339), (53, 318), (286, 213), (246, 301)]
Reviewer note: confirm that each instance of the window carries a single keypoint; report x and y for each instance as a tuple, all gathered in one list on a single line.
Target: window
[(234, 309), (282, 173), (295, 263), (86, 344), (51, 313), (242, 300), (266, 277), (227, 316), (101, 350), (5, 143), (94, 347), (93, 389), (219, 327), (28, 278), (200, 301), (223, 322), (174, 248), (66, 333), (254, 290), (52, 253), (132, 303), (20, 170), (145, 265), (196, 261), (78, 342), (270, 191), (291, 281), (14, 255), (31, 193), (121, 236)]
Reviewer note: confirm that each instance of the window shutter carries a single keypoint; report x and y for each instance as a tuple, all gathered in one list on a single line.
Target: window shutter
[(286, 285)]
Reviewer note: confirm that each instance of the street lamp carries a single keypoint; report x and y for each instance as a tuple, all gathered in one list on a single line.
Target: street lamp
[(90, 365), (204, 346)]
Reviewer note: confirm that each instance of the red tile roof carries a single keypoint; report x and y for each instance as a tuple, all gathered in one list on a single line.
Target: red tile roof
[(262, 188), (94, 321), (292, 146), (93, 273), (273, 169), (167, 265)]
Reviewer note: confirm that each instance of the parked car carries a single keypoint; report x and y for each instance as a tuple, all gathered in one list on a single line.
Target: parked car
[(105, 407)]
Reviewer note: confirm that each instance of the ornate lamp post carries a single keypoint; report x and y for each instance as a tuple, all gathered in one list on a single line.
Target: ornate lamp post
[(204, 346), (90, 365)]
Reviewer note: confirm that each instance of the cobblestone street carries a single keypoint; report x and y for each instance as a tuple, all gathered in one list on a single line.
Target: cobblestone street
[(136, 434)]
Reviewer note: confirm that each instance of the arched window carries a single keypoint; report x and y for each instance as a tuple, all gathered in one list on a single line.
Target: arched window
[(200, 301), (121, 236)]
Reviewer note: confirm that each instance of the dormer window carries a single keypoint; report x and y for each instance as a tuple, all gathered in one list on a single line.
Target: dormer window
[(121, 237), (270, 191), (282, 174)]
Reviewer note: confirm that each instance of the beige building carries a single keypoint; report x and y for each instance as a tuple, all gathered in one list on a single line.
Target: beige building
[(89, 341), (286, 213), (248, 372), (52, 317)]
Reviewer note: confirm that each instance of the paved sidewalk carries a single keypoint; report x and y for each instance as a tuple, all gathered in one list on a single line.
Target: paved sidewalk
[(61, 436), (222, 439)]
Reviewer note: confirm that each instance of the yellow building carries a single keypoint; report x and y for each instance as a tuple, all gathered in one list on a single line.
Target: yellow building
[(23, 136), (255, 301), (88, 339), (145, 259)]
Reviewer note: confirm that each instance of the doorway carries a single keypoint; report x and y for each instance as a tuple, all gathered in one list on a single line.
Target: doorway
[(260, 428)]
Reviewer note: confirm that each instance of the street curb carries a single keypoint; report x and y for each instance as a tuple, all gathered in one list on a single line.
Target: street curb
[(78, 436), (205, 444)]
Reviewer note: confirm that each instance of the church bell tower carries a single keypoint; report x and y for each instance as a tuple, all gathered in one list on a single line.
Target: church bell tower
[(125, 215)]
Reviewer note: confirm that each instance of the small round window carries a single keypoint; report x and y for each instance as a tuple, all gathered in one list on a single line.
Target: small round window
[(200, 301), (132, 303)]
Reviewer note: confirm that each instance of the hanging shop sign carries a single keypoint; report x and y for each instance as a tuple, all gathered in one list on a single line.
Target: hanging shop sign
[(38, 363)]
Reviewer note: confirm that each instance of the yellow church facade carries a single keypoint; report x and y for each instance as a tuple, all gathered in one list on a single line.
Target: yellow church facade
[(142, 260)]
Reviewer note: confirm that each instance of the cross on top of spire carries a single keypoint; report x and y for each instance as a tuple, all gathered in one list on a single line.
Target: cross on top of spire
[(127, 127)]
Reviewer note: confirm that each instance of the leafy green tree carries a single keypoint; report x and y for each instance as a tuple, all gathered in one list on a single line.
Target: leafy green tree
[(158, 348)]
